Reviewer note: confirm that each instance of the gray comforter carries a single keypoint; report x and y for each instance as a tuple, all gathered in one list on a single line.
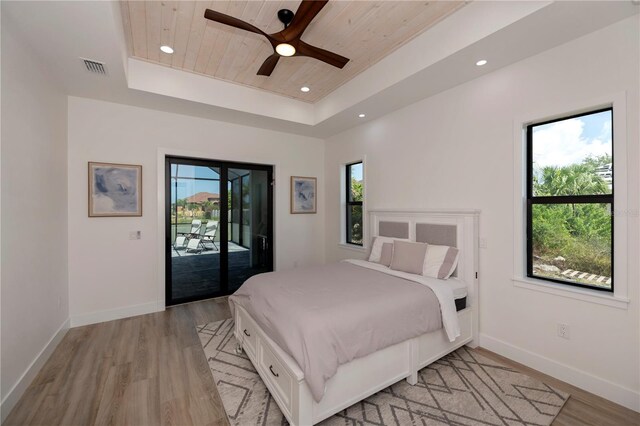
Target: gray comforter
[(328, 315)]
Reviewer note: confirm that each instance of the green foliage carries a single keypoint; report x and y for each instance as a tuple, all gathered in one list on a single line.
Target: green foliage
[(581, 236), (356, 190), (576, 179), (595, 162), (580, 233), (356, 211)]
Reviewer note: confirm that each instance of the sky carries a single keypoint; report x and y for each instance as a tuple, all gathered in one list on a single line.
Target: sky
[(188, 187), (570, 141), (356, 172)]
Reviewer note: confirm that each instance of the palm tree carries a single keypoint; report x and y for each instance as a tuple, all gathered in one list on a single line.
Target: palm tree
[(576, 179)]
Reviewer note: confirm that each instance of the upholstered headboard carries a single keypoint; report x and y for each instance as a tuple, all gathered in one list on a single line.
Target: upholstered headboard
[(432, 233), (454, 228), (393, 229)]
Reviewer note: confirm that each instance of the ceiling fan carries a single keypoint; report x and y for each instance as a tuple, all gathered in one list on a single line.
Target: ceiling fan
[(287, 42)]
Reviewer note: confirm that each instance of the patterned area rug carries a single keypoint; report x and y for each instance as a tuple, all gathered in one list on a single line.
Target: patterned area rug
[(463, 388)]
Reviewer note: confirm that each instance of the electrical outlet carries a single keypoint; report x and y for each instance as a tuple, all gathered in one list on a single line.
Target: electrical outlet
[(563, 331), (135, 235), (483, 243)]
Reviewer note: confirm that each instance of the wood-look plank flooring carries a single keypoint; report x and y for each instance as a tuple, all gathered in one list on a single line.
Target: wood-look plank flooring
[(151, 370), (145, 370), (582, 408)]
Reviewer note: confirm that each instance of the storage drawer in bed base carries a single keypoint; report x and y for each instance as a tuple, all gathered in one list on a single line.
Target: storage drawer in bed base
[(354, 381)]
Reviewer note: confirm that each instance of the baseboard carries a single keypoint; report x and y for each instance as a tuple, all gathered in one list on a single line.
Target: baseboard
[(582, 379), (14, 395), (114, 314)]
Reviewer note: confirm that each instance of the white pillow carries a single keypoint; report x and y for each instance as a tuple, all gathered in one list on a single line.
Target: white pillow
[(376, 248), (440, 261)]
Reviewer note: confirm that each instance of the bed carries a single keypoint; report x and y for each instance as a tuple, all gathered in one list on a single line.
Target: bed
[(333, 386)]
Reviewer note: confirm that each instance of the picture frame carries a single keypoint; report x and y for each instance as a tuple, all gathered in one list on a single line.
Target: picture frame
[(115, 190), (304, 196)]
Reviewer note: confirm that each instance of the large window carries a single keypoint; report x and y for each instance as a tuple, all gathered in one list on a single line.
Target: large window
[(570, 200), (355, 197)]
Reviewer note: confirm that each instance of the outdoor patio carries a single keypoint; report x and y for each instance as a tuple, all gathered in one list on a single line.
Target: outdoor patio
[(198, 273)]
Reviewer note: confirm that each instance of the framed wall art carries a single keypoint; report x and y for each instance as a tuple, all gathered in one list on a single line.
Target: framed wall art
[(115, 190), (303, 195)]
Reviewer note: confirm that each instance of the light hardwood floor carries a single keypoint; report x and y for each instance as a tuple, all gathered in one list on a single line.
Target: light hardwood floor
[(151, 370)]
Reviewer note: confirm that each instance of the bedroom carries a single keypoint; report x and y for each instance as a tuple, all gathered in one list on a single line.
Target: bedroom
[(439, 133)]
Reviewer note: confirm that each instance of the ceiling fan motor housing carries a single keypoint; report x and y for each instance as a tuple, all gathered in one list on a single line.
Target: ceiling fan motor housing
[(285, 16)]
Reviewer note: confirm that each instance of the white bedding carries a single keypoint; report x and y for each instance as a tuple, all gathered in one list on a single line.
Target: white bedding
[(441, 288), (328, 315), (459, 288)]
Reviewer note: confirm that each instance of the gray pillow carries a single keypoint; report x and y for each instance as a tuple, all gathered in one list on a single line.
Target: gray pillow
[(387, 254), (408, 257)]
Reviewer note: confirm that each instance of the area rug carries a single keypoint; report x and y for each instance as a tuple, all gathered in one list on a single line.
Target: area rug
[(463, 388)]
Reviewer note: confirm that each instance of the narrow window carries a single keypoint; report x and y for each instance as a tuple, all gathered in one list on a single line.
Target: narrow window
[(355, 197), (570, 200)]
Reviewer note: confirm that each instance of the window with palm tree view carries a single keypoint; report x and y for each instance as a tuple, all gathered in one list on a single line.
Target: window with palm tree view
[(355, 198), (570, 200)]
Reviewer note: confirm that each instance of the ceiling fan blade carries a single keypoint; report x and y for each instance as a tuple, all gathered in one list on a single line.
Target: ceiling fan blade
[(233, 22), (330, 58), (268, 65), (307, 10)]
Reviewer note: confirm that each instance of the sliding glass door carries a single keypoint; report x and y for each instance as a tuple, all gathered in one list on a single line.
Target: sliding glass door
[(249, 224), (219, 227)]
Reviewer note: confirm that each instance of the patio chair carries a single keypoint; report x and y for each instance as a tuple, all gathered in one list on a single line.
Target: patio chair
[(196, 224), (180, 243), (210, 232), (194, 245)]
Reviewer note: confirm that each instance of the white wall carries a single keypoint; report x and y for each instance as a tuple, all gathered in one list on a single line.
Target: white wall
[(34, 215), (110, 275), (455, 150)]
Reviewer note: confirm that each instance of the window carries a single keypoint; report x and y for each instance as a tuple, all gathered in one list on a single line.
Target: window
[(570, 200), (354, 198)]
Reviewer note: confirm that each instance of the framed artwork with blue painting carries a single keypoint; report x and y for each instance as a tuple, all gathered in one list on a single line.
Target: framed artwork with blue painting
[(115, 190), (303, 195)]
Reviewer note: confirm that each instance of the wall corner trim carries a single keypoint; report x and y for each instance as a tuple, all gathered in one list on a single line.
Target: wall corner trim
[(604, 388), (114, 314), (18, 389)]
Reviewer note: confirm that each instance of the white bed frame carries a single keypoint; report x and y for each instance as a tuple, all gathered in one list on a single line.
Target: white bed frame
[(365, 376)]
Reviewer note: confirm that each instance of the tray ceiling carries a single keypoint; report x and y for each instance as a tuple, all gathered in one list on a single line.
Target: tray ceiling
[(364, 31)]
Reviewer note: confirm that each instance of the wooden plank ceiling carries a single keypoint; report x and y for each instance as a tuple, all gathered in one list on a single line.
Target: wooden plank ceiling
[(363, 31)]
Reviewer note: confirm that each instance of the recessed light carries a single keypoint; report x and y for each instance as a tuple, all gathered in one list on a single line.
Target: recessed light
[(166, 49), (481, 62), (361, 115), (285, 49), (304, 89)]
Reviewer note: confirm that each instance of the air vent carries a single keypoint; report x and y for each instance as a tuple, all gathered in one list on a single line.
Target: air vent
[(94, 66)]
